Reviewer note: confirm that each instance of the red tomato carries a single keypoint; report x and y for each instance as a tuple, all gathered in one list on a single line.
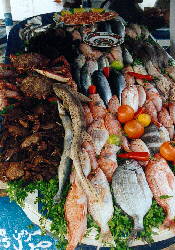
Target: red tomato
[(134, 129), (125, 113), (92, 89), (167, 150)]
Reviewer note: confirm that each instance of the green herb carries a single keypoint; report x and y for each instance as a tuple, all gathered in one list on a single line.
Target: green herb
[(5, 110), (165, 196), (171, 62), (137, 62)]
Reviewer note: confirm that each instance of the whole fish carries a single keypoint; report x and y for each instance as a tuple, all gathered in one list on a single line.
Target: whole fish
[(102, 211), (102, 84), (75, 215), (97, 106), (117, 83), (154, 136), (131, 191), (138, 145), (85, 79), (130, 80), (162, 183), (165, 119), (64, 167), (127, 57), (92, 65), (153, 95), (140, 69), (142, 95), (113, 104), (172, 111)]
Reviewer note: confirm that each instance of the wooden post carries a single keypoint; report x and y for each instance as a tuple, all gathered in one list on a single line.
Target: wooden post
[(172, 28), (7, 15)]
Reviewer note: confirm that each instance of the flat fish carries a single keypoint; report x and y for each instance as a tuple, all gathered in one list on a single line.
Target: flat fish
[(117, 83), (64, 167), (162, 183), (102, 84), (131, 191), (154, 137)]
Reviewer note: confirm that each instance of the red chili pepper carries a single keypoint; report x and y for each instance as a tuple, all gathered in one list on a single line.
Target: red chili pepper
[(52, 99), (92, 89), (140, 111), (140, 76), (106, 71), (140, 156)]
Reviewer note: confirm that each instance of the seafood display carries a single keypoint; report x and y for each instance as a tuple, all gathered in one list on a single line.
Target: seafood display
[(98, 120)]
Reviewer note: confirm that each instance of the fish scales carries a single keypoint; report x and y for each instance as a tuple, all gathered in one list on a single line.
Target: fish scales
[(130, 186)]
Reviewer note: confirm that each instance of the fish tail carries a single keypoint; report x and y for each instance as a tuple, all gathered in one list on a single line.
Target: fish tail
[(106, 238), (169, 223), (70, 247)]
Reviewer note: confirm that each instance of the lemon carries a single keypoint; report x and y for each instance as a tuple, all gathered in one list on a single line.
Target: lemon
[(79, 10), (65, 12), (117, 65), (114, 139), (144, 119), (98, 10)]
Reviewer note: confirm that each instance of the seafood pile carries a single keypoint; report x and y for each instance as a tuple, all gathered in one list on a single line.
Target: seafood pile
[(113, 104)]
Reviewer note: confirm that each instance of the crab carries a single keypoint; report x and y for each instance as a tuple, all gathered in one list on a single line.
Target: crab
[(7, 90)]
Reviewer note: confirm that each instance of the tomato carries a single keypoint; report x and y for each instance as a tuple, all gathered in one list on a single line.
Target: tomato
[(133, 129), (125, 113), (167, 150), (144, 119), (92, 89)]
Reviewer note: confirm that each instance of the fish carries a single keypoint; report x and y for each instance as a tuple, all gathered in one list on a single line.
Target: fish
[(154, 137), (102, 84), (91, 152), (152, 70), (138, 145), (130, 97), (99, 134), (97, 106), (154, 96), (76, 215), (161, 181), (129, 186), (108, 161), (117, 83), (172, 93), (92, 65), (116, 53), (165, 119), (72, 102), (145, 32), (117, 27), (151, 110), (102, 62), (64, 167), (172, 111), (76, 68), (102, 211), (113, 104), (163, 85), (127, 57), (131, 33), (130, 80), (112, 125), (136, 28), (140, 69), (85, 79), (88, 115), (162, 56), (171, 71), (142, 95)]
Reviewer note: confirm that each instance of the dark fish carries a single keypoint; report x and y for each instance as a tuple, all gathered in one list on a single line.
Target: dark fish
[(102, 85), (102, 62), (117, 27), (76, 67), (154, 137), (85, 79), (104, 27), (117, 83), (131, 191), (162, 56), (127, 57)]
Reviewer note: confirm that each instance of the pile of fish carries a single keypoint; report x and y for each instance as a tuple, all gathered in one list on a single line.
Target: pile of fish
[(88, 159)]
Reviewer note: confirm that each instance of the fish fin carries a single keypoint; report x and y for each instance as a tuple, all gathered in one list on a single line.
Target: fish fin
[(169, 223), (106, 238)]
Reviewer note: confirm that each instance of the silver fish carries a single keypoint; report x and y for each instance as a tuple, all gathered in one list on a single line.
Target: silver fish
[(65, 163), (127, 57), (154, 137), (102, 62), (131, 192), (85, 79)]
